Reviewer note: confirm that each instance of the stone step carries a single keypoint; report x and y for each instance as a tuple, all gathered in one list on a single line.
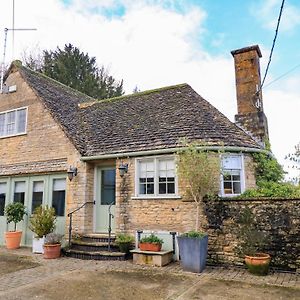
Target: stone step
[(93, 246), (95, 255), (97, 237)]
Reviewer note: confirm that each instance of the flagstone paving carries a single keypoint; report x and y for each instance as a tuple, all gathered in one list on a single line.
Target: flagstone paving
[(169, 282)]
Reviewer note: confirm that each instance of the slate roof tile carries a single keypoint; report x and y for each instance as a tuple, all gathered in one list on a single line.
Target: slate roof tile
[(149, 120)]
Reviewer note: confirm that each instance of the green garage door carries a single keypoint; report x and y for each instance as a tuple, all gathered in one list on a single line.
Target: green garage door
[(33, 191)]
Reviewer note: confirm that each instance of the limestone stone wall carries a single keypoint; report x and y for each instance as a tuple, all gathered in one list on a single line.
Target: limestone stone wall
[(277, 218), (175, 214), (44, 149)]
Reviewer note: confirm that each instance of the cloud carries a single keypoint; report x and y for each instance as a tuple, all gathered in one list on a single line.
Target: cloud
[(267, 11), (153, 44)]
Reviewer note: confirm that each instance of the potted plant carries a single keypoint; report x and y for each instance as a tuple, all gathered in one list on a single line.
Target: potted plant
[(193, 250), (252, 241), (150, 243), (52, 245), (198, 169), (124, 241), (41, 223), (15, 213)]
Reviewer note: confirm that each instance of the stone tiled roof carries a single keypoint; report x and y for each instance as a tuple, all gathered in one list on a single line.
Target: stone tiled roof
[(149, 120)]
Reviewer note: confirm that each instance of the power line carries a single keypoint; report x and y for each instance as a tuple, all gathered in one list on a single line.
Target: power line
[(283, 75), (273, 45)]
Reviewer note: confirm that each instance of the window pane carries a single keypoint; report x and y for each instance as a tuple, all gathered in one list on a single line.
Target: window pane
[(150, 188), (171, 188), (58, 202), (142, 189), (2, 204), (236, 187), (2, 197), (162, 188), (2, 124), (236, 177), (37, 200), (167, 175), (108, 187), (37, 194), (59, 196), (232, 162), (227, 187), (21, 117), (59, 184), (19, 193), (10, 125)]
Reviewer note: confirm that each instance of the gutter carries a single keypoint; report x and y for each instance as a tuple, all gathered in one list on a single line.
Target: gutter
[(172, 150)]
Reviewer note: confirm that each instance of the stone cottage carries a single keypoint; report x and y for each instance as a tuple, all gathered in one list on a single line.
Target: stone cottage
[(62, 148)]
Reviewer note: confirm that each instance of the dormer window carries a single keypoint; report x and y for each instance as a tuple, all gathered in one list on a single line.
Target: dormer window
[(13, 122)]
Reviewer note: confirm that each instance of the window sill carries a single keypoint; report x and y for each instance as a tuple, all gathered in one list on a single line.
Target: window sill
[(230, 195), (12, 135), (156, 197)]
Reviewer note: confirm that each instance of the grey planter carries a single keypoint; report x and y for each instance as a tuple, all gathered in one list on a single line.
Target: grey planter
[(193, 253)]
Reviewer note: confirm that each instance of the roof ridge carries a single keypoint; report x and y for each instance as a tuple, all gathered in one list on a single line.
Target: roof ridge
[(147, 92), (53, 80)]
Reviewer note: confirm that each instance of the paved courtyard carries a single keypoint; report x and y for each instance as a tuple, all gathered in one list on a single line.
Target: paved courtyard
[(27, 276)]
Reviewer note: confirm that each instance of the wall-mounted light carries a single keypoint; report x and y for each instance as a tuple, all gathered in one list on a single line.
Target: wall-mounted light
[(123, 168), (72, 172)]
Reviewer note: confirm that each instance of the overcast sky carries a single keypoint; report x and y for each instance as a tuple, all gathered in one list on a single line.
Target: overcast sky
[(153, 43)]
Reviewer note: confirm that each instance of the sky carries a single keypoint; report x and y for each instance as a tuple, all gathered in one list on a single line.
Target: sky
[(156, 43)]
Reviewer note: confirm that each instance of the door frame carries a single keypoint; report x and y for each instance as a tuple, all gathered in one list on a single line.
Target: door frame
[(97, 192)]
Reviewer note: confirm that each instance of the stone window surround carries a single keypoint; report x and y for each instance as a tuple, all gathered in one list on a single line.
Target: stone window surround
[(156, 195), (242, 175), (25, 126)]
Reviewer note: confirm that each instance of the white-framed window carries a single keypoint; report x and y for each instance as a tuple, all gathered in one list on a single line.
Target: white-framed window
[(232, 177), (13, 122), (156, 177)]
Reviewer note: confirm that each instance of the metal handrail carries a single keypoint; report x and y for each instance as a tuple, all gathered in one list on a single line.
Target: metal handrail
[(70, 214), (110, 216)]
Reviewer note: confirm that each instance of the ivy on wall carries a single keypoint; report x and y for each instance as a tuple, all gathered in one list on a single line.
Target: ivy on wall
[(269, 179)]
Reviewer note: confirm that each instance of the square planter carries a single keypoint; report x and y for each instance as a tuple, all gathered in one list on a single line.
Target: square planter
[(37, 245), (193, 253)]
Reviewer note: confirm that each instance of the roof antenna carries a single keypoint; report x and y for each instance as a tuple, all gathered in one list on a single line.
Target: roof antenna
[(13, 29)]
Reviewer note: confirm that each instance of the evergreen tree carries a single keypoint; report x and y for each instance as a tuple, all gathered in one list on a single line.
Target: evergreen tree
[(76, 69)]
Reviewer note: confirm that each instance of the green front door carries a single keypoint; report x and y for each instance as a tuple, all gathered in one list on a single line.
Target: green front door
[(105, 199)]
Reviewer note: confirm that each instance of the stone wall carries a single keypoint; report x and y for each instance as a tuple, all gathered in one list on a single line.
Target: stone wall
[(45, 149), (277, 218)]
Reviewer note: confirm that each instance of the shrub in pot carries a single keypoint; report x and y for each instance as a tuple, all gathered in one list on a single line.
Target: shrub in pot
[(124, 241), (150, 243), (41, 223), (193, 250), (252, 241), (52, 245), (199, 170), (15, 213)]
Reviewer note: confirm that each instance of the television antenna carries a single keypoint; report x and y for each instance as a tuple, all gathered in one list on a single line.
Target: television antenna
[(13, 29)]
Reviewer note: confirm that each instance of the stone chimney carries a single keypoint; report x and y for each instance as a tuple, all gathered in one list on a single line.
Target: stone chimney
[(251, 116)]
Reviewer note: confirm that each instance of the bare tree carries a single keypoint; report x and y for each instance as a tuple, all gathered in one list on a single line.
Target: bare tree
[(199, 170)]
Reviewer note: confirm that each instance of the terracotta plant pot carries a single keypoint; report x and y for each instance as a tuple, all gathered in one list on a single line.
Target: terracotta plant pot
[(13, 239), (155, 247), (258, 264), (52, 251)]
